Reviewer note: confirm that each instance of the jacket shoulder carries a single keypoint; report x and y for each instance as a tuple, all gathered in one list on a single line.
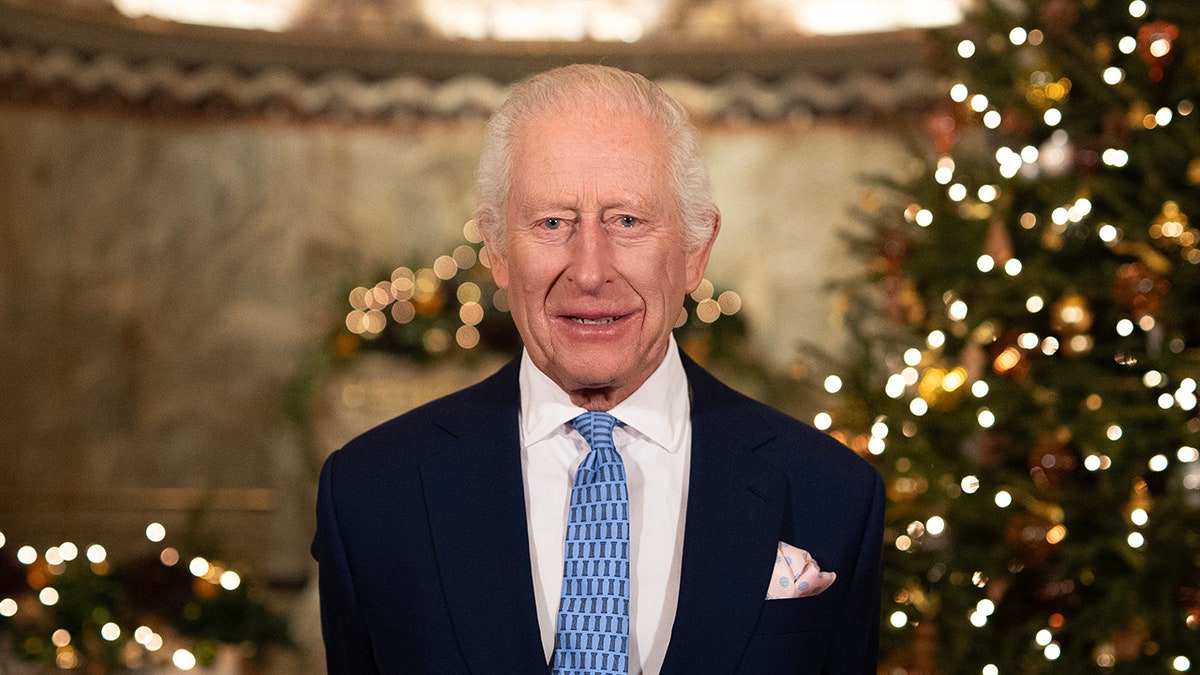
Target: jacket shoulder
[(410, 437), (792, 444)]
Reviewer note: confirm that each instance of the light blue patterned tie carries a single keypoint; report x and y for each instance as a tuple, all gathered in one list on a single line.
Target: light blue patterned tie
[(592, 634)]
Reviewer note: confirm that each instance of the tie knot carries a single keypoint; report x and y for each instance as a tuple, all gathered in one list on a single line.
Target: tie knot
[(596, 428)]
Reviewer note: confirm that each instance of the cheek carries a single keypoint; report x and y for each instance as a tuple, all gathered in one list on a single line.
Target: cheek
[(528, 288)]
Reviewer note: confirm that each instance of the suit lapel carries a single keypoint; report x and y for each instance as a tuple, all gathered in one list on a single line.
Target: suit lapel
[(735, 508), (475, 499)]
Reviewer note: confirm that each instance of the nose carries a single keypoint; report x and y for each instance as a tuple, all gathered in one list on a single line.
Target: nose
[(591, 256)]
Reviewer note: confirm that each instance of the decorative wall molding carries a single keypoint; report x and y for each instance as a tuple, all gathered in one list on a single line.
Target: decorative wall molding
[(167, 70), (139, 499)]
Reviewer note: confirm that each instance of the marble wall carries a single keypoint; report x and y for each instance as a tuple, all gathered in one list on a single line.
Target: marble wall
[(161, 284)]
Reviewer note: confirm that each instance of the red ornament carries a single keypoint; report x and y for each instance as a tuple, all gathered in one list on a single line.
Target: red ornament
[(1060, 595), (942, 127), (975, 359), (1026, 536), (1016, 121), (1116, 128), (903, 304), (1051, 462), (1156, 46), (1189, 593), (892, 248), (998, 242), (987, 448), (1140, 289), (1059, 15)]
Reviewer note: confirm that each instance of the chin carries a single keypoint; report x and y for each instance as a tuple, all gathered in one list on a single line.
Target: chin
[(593, 379)]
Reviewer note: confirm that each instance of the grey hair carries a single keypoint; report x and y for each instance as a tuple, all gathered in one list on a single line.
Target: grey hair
[(606, 88)]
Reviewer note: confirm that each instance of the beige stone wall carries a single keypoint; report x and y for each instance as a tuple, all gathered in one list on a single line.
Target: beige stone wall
[(161, 284)]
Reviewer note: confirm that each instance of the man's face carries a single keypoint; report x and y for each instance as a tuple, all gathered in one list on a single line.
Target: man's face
[(595, 262)]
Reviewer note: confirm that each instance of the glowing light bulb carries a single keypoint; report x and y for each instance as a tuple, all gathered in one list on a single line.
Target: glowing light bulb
[(27, 555), (183, 659), (96, 554), (986, 418), (48, 596), (918, 407)]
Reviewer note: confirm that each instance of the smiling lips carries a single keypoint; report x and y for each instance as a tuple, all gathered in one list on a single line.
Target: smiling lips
[(599, 321)]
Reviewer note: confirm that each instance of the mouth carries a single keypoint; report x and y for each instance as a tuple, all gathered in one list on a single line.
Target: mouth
[(596, 321)]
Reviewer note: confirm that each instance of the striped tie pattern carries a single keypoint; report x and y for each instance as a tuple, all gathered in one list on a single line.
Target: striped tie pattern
[(592, 634)]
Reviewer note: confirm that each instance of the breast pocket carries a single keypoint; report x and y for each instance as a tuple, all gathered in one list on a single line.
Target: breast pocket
[(797, 615), (792, 636)]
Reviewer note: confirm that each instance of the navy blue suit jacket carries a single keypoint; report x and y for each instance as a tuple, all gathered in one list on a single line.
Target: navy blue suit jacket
[(424, 551)]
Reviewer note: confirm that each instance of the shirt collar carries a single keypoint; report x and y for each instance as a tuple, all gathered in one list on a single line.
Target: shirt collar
[(658, 410)]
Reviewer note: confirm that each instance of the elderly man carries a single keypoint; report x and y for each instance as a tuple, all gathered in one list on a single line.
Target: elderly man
[(601, 504)]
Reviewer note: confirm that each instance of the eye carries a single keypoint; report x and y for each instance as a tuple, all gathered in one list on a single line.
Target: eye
[(552, 223), (628, 221)]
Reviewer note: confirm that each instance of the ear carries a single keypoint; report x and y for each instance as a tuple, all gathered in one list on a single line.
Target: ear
[(697, 260), (496, 259)]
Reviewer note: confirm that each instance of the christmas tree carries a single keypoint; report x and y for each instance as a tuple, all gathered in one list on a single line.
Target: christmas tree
[(1028, 348)]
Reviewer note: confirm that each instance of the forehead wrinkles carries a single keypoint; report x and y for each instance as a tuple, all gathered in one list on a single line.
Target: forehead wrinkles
[(603, 158), (549, 187), (644, 136)]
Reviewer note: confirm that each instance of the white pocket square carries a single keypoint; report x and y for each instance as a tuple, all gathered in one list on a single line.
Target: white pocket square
[(796, 574)]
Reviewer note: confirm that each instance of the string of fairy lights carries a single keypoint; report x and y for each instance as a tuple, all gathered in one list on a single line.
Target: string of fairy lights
[(85, 580)]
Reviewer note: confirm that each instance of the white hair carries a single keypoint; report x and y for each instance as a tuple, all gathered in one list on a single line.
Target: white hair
[(606, 88)]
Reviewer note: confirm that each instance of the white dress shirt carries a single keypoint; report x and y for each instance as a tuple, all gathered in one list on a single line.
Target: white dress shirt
[(655, 446)]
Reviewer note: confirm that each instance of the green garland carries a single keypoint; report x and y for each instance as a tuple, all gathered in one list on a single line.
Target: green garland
[(77, 609)]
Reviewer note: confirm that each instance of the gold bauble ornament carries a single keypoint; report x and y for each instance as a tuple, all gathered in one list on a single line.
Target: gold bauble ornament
[(1171, 228), (1193, 171), (1071, 315)]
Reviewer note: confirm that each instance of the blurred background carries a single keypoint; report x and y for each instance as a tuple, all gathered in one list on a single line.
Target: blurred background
[(235, 233)]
